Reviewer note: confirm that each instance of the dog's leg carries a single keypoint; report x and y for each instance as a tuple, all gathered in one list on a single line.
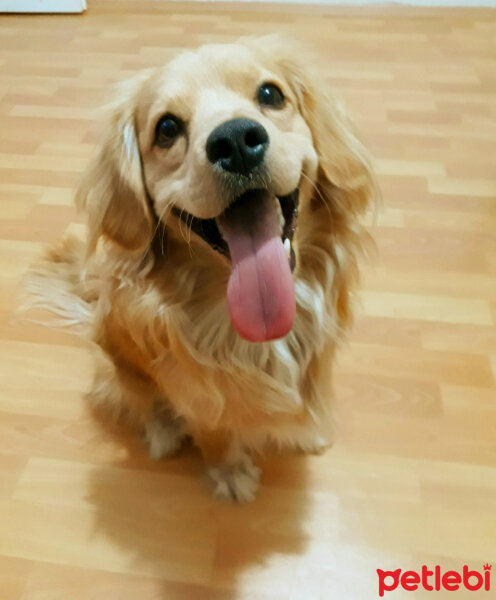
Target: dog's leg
[(230, 468), (310, 440), (301, 435), (312, 431), (124, 391), (164, 432)]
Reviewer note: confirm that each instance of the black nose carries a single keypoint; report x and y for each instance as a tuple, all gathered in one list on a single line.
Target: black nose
[(237, 145)]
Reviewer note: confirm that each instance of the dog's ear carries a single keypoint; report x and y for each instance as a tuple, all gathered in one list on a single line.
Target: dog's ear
[(112, 191), (345, 177)]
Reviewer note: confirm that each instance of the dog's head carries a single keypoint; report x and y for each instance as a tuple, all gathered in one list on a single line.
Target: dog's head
[(229, 141)]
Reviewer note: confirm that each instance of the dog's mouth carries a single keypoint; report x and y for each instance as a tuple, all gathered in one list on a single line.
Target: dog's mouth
[(256, 232), (208, 229)]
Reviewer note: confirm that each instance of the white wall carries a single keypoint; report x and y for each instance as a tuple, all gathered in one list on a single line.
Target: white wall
[(41, 6)]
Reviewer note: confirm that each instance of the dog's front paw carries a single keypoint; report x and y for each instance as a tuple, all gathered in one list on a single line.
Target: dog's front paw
[(238, 481), (163, 439), (318, 445)]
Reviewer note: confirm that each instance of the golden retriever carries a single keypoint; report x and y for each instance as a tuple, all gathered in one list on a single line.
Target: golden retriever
[(224, 222)]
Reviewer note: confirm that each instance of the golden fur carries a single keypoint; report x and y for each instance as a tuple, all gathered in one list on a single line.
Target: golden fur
[(151, 294)]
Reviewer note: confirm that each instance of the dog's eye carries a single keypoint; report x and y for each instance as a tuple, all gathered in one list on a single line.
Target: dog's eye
[(167, 130), (269, 94)]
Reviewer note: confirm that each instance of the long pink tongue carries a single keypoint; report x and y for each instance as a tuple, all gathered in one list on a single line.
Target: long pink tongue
[(260, 292)]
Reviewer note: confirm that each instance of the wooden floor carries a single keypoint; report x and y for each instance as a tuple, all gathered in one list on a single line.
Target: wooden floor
[(84, 514)]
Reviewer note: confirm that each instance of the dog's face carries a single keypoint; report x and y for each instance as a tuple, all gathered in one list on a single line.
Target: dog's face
[(229, 140), (216, 123)]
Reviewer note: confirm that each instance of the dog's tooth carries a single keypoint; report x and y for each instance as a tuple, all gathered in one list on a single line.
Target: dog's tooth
[(287, 247)]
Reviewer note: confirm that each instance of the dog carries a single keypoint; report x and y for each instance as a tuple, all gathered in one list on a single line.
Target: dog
[(225, 218)]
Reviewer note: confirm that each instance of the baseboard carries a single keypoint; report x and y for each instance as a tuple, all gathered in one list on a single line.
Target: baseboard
[(378, 3)]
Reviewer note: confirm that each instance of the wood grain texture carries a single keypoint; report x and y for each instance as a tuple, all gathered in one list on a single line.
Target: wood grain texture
[(84, 513)]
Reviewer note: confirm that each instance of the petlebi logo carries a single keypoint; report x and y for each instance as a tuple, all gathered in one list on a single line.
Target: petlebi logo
[(435, 580)]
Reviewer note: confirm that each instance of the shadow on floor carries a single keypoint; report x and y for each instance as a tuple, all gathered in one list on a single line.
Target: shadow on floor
[(161, 522)]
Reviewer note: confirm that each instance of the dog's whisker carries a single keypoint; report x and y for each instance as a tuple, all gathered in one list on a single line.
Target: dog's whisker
[(189, 226), (181, 224), (162, 221), (188, 241), (321, 196), (160, 218), (189, 221)]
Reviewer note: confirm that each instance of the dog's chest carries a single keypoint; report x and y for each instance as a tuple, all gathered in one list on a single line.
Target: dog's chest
[(213, 367)]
